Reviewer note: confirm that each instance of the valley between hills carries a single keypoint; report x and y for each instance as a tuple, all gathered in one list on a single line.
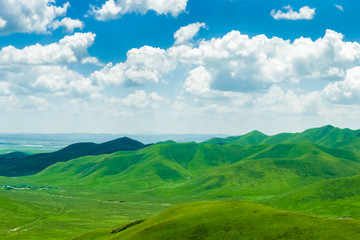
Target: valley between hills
[(287, 186)]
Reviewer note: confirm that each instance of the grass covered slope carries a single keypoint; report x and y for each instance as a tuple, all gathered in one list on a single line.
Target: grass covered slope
[(205, 170), (327, 136), (19, 211), (230, 220), (20, 165), (288, 172), (338, 197), (199, 168)]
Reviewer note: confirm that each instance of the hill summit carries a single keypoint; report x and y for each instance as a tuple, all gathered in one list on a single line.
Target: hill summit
[(21, 165)]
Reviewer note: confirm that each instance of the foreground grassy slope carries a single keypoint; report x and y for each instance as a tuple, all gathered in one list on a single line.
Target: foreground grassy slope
[(62, 214), (20, 213), (338, 197), (230, 220)]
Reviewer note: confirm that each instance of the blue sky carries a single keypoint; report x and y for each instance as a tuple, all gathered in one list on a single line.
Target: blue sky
[(178, 66)]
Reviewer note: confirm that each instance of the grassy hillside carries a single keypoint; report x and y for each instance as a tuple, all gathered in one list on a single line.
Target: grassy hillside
[(327, 136), (230, 220), (63, 214), (17, 164), (205, 170), (336, 197), (314, 171), (20, 213)]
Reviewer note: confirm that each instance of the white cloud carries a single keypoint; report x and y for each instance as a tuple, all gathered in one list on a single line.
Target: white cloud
[(41, 104), (61, 81), (305, 13), (140, 99), (239, 63), (5, 88), (228, 79), (27, 16), (45, 81), (237, 72), (276, 100), (14, 103), (108, 11), (112, 9), (69, 24), (70, 49), (236, 63), (2, 23), (187, 33), (198, 83), (339, 7), (143, 65), (346, 91), (91, 60), (41, 70)]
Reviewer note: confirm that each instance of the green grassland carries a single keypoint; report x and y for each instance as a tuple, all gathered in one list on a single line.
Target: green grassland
[(338, 197), (230, 220), (55, 214), (316, 172)]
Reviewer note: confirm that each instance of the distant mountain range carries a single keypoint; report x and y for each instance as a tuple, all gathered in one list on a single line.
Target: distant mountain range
[(250, 165), (20, 164), (327, 136)]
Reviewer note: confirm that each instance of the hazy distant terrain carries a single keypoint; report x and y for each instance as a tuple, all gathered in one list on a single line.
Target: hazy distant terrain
[(52, 142)]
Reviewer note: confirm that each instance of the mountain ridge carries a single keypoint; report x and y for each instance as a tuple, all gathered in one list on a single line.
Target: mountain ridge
[(33, 164), (325, 136)]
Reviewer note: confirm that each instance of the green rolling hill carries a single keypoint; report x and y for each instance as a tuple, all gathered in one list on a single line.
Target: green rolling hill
[(338, 197), (230, 220), (327, 136), (17, 164), (205, 170), (316, 171)]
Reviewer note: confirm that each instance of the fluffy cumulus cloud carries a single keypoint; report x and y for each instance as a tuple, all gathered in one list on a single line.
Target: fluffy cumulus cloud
[(69, 24), (70, 49), (239, 72), (60, 81), (187, 33), (38, 76), (45, 81), (114, 9), (27, 16), (39, 72), (233, 75), (143, 65), (198, 82), (346, 91), (91, 60), (278, 101), (304, 13), (235, 64)]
